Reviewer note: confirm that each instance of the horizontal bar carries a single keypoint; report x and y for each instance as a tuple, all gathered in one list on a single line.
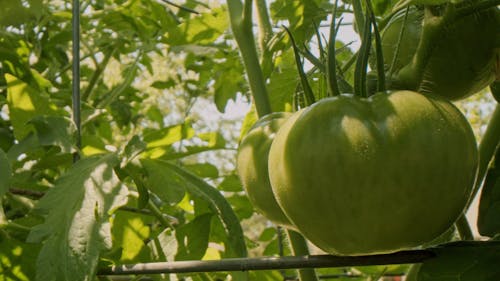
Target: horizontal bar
[(267, 263)]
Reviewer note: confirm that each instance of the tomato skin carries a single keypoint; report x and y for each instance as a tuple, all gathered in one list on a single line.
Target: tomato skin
[(455, 58), (252, 166), (363, 176)]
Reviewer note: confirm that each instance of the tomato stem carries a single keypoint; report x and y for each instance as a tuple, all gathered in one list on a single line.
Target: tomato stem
[(362, 61), (331, 70), (487, 147), (299, 248), (265, 34), (309, 96), (241, 23), (378, 49)]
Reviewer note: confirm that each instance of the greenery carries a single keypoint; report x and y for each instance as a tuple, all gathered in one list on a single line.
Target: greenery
[(168, 89)]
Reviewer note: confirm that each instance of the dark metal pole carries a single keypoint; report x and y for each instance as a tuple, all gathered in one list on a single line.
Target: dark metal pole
[(267, 263), (76, 74)]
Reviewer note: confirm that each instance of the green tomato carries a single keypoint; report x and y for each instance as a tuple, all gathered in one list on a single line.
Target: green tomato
[(411, 28), (456, 56), (363, 176), (253, 169)]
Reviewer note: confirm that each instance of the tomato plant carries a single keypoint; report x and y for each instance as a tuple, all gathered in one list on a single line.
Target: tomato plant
[(374, 175), (252, 161)]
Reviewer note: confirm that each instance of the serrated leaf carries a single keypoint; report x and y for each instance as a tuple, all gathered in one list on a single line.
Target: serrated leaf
[(202, 29), (77, 211), (489, 204), (463, 261), (283, 83), (25, 103), (55, 130)]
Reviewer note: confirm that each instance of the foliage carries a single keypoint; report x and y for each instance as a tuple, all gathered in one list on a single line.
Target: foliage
[(156, 177)]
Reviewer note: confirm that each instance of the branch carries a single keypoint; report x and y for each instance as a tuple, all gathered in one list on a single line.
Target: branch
[(269, 263)]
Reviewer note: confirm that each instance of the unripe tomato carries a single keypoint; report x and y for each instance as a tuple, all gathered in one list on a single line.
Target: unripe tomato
[(409, 38), (455, 58), (253, 169), (363, 176)]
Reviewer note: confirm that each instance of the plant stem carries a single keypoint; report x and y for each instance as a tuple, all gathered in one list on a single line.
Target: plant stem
[(265, 34), (268, 263), (97, 74), (158, 214), (241, 24), (299, 248), (331, 70), (487, 147)]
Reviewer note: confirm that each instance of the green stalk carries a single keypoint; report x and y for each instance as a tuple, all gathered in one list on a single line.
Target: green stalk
[(308, 93), (159, 215), (331, 70), (97, 73), (487, 147), (378, 49), (362, 61), (241, 23), (265, 34), (299, 248), (359, 16)]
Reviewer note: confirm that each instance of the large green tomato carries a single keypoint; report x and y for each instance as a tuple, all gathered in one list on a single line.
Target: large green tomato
[(456, 56), (363, 176), (253, 169)]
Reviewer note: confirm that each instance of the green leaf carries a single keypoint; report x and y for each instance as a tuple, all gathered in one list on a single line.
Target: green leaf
[(241, 206), (192, 238), (283, 83), (129, 232), (463, 261), (17, 259), (202, 29), (5, 174), (204, 170), (198, 187), (77, 212), (489, 205), (162, 181), (168, 136), (55, 130), (25, 103), (229, 80), (231, 183)]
